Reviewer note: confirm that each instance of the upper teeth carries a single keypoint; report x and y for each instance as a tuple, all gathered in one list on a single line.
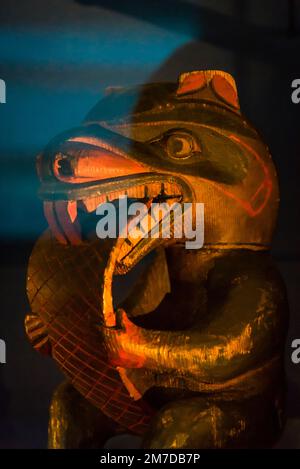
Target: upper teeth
[(137, 192)]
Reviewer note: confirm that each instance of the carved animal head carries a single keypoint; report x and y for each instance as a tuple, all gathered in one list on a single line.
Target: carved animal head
[(166, 141)]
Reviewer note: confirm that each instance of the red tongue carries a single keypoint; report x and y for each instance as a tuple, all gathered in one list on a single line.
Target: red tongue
[(61, 216)]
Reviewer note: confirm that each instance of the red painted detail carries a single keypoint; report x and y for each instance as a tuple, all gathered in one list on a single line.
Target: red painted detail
[(64, 217), (53, 223), (191, 82), (224, 90), (92, 375), (266, 185)]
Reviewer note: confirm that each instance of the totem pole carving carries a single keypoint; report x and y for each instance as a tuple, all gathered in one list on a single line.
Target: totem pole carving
[(192, 357)]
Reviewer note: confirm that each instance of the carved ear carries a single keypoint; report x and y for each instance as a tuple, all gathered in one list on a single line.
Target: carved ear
[(225, 90), (191, 82), (221, 84)]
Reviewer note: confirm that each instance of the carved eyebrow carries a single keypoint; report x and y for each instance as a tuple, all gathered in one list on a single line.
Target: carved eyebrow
[(242, 129), (172, 131)]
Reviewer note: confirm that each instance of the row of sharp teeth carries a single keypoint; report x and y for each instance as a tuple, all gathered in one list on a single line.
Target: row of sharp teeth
[(138, 192), (62, 215)]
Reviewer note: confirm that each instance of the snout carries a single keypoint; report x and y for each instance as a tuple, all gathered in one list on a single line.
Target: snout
[(90, 166), (85, 158)]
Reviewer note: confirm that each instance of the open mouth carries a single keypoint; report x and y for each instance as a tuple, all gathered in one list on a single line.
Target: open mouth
[(87, 175), (71, 219), (84, 178)]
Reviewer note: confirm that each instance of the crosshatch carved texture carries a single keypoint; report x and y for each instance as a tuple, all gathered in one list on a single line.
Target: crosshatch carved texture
[(67, 309)]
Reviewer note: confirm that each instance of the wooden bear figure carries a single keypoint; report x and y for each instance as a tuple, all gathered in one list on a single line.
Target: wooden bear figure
[(181, 346)]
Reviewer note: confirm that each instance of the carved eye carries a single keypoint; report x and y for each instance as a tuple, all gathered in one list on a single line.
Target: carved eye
[(181, 145)]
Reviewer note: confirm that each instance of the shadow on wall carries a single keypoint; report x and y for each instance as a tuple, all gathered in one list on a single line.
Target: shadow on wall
[(262, 60)]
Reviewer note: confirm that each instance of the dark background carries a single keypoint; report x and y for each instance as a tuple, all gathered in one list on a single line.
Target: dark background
[(56, 57)]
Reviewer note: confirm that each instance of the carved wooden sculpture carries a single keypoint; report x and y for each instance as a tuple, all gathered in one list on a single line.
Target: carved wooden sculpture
[(193, 356)]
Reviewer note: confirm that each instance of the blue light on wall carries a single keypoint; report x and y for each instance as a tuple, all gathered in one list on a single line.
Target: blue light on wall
[(53, 77)]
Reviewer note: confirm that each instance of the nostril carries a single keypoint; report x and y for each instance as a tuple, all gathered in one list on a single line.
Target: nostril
[(63, 165), (65, 168)]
